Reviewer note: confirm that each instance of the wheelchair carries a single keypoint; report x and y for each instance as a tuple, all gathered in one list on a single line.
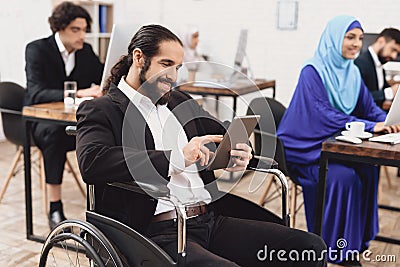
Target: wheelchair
[(104, 241)]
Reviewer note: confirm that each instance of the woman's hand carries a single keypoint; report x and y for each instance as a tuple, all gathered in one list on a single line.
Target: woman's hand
[(381, 128)]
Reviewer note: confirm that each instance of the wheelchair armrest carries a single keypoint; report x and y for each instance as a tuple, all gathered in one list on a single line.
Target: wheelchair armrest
[(10, 111), (155, 190), (260, 162), (268, 165)]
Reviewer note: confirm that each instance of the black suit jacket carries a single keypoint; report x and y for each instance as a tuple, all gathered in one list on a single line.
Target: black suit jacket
[(104, 157), (45, 70), (111, 149), (367, 68)]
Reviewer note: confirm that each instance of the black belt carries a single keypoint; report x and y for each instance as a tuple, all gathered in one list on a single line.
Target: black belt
[(191, 212)]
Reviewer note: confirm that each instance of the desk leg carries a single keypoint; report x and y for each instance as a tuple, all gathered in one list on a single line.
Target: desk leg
[(28, 179), (217, 105), (273, 92), (234, 106), (320, 201)]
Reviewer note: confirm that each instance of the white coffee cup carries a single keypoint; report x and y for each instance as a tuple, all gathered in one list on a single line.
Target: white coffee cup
[(70, 88), (355, 127)]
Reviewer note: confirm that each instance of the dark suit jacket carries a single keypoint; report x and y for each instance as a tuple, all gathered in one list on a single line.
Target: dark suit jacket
[(45, 70), (103, 157), (111, 149), (368, 72)]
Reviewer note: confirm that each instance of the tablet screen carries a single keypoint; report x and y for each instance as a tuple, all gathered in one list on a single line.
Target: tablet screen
[(239, 131)]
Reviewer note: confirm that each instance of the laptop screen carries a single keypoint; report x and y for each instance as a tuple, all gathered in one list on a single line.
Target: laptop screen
[(393, 116)]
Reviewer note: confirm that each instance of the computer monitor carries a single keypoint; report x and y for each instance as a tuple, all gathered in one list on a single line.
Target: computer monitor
[(239, 58), (121, 36), (241, 50)]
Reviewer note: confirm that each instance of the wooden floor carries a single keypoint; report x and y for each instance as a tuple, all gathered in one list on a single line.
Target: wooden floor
[(16, 250)]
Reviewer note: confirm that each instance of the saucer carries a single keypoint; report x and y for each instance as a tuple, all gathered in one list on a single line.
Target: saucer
[(364, 135)]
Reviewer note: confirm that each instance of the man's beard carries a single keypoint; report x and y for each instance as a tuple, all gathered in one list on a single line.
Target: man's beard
[(151, 90), (383, 59)]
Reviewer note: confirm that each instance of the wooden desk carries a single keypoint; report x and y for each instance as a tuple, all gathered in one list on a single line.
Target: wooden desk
[(373, 153), (50, 111), (235, 91), (47, 113)]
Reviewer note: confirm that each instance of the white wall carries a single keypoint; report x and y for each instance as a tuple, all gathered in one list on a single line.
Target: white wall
[(20, 22), (272, 53)]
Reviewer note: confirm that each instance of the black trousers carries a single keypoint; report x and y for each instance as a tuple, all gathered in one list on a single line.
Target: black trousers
[(54, 144), (226, 241)]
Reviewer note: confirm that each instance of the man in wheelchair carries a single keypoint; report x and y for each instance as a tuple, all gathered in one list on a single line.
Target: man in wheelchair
[(142, 130)]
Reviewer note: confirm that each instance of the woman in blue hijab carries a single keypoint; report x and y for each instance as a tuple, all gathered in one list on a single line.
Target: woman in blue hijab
[(330, 92)]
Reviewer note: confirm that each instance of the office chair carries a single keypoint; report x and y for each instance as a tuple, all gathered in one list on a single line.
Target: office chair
[(104, 241), (267, 142), (11, 104)]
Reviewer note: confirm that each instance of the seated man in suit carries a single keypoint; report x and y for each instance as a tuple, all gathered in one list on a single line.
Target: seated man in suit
[(63, 56), (143, 130), (384, 49)]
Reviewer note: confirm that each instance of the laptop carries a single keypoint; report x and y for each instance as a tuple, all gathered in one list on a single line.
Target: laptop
[(393, 117)]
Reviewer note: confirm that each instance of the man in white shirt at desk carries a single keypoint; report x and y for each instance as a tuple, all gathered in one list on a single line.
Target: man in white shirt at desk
[(63, 56)]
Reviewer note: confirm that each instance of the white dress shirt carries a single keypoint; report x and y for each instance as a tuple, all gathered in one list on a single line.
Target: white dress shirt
[(379, 75), (69, 58), (168, 134)]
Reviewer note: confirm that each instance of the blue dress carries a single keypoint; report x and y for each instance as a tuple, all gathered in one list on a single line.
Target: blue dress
[(351, 210)]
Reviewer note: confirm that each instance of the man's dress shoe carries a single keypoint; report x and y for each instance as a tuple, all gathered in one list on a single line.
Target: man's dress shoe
[(55, 218)]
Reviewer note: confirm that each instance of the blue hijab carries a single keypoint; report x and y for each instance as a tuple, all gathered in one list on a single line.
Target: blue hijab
[(340, 76)]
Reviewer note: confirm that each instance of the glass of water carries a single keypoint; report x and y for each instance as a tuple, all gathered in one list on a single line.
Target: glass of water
[(70, 88)]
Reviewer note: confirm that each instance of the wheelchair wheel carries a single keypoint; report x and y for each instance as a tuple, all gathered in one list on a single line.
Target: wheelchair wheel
[(78, 243)]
